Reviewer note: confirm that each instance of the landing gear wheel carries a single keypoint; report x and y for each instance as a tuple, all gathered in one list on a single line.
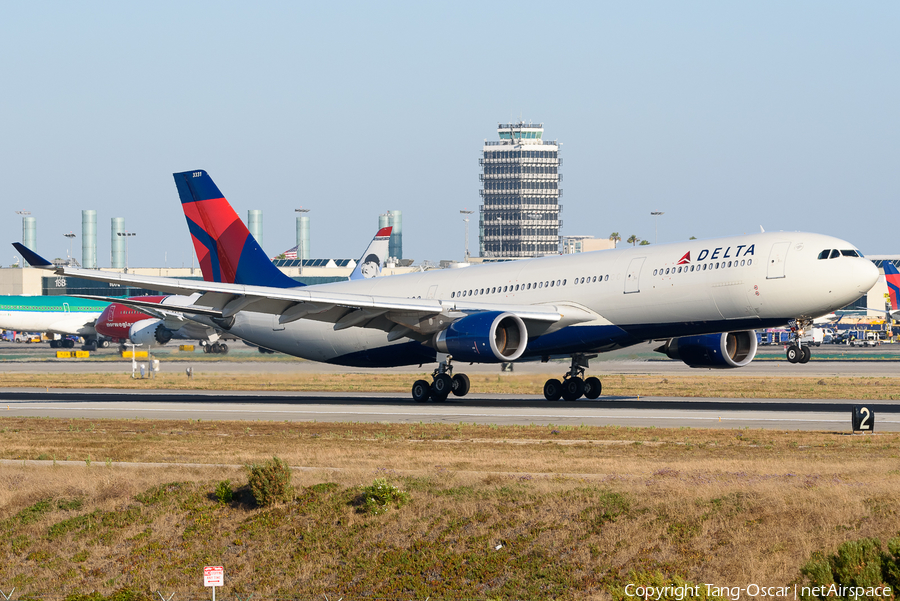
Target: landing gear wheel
[(794, 353), (206, 348), (69, 343), (104, 344), (54, 344), (552, 390), (223, 348), (806, 353), (441, 387), (460, 385), (573, 389), (592, 388), (421, 391)]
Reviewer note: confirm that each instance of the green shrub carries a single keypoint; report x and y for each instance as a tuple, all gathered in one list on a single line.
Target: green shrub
[(270, 482), (224, 493), (31, 514), (857, 564), (891, 569), (379, 496)]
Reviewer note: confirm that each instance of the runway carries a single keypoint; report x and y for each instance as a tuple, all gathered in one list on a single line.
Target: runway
[(661, 412)]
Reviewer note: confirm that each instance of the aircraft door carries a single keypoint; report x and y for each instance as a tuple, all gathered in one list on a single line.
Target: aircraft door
[(776, 260), (65, 307), (432, 290), (633, 275)]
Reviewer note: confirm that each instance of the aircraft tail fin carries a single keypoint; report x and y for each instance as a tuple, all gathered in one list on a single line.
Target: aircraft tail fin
[(226, 249), (376, 254), (892, 277), (34, 259)]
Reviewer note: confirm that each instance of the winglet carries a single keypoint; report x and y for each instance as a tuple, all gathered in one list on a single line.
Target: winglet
[(34, 259)]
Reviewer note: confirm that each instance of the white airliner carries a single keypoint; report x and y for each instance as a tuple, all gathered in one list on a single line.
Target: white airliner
[(61, 315), (702, 299)]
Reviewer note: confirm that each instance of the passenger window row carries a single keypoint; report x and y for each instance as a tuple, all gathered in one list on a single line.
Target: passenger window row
[(528, 286), (703, 267)]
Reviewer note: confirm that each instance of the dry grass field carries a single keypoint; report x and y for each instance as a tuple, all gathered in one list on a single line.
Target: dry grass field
[(495, 512), (851, 388)]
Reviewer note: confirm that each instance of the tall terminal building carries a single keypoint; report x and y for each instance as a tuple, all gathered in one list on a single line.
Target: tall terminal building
[(520, 178)]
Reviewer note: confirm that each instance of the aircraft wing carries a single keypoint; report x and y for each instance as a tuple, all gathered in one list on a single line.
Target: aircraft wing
[(399, 316)]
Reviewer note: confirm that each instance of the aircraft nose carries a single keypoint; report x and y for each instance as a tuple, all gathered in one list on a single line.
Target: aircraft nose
[(867, 275)]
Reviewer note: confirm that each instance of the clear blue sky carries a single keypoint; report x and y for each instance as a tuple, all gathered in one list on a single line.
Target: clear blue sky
[(725, 115)]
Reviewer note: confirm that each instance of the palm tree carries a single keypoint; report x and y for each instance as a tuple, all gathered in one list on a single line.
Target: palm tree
[(615, 237), (633, 239), (645, 242)]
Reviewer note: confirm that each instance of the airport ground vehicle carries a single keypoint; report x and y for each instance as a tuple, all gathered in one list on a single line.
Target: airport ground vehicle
[(31, 338)]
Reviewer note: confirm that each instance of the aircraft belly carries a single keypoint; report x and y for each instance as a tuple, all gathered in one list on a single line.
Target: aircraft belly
[(47, 322), (318, 341)]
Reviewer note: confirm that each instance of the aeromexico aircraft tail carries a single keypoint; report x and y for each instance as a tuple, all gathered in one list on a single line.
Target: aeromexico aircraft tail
[(226, 249), (892, 277)]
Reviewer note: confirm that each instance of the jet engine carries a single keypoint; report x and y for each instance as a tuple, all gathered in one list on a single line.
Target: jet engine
[(717, 351), (149, 332), (489, 337)]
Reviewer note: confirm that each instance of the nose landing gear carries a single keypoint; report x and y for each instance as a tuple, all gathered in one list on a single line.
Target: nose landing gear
[(797, 352), (574, 385), (443, 384)]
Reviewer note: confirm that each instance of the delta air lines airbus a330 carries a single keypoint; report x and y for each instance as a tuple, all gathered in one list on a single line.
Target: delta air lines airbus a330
[(701, 299)]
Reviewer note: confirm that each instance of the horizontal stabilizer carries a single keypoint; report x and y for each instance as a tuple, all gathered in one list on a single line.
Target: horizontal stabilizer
[(34, 259)]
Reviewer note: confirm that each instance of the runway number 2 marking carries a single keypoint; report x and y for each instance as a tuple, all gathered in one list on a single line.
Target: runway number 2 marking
[(863, 419)]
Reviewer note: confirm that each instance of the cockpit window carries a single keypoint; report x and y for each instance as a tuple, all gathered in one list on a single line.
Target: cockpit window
[(824, 253), (835, 254), (849, 253)]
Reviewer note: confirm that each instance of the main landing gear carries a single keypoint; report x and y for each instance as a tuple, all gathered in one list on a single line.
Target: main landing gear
[(215, 348), (574, 384), (444, 382), (797, 352)]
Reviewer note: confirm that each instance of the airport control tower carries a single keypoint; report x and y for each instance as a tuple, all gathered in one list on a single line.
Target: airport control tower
[(520, 179)]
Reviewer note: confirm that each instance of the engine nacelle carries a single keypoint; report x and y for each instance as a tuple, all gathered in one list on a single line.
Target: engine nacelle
[(718, 351), (489, 337), (149, 332)]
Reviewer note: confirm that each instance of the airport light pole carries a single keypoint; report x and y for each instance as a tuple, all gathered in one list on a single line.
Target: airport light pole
[(466, 219), (70, 236), (656, 221), (127, 236)]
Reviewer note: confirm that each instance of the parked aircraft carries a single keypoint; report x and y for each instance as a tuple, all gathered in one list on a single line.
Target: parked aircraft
[(152, 327), (702, 298), (62, 315)]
